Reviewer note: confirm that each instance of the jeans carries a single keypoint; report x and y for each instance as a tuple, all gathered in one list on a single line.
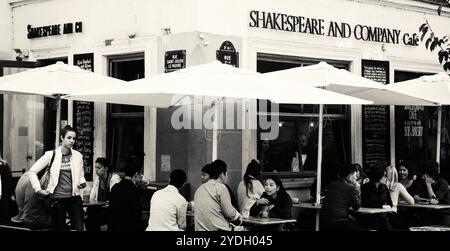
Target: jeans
[(73, 206)]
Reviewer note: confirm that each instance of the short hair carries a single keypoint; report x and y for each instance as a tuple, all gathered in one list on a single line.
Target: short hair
[(376, 173), (67, 129), (347, 169), (102, 161), (432, 169), (177, 178), (130, 170), (217, 168)]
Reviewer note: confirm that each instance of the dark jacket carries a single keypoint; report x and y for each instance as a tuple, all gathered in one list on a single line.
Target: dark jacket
[(124, 207), (282, 208), (339, 198), (7, 186), (374, 197), (7, 191)]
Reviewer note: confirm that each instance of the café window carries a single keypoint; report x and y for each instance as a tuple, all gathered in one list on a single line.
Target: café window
[(416, 130), (295, 148)]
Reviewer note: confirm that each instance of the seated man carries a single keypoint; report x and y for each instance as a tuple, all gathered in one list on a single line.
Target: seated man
[(125, 203), (434, 189), (213, 208), (168, 207)]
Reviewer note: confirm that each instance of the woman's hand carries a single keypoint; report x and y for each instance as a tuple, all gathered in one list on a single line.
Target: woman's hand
[(262, 201), (43, 193)]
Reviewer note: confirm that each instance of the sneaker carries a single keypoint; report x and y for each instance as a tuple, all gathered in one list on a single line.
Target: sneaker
[(17, 219)]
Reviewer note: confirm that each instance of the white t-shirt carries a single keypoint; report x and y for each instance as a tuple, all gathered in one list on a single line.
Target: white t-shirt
[(400, 192)]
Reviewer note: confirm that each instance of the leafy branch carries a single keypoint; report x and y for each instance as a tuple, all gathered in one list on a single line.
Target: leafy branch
[(434, 42)]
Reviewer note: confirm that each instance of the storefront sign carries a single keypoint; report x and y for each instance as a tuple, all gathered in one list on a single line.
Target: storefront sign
[(321, 27), (375, 119), (227, 54), (54, 30), (83, 120), (412, 125), (174, 60)]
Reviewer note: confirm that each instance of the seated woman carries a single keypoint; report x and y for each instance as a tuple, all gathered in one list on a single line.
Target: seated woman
[(340, 196), (375, 194), (250, 189), (396, 190), (406, 176), (275, 201)]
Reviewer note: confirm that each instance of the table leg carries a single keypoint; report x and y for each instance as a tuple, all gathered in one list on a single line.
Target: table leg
[(317, 219)]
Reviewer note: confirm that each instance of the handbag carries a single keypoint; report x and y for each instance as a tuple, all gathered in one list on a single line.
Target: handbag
[(46, 177)]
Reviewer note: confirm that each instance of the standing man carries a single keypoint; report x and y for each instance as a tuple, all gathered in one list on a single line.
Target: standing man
[(213, 208), (168, 207)]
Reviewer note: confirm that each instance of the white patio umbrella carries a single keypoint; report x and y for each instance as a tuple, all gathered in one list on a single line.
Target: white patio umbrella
[(434, 87), (342, 81), (212, 80), (54, 81)]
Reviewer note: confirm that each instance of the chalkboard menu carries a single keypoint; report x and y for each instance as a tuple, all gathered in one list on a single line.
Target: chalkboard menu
[(227, 54), (375, 119), (174, 60), (83, 120), (84, 61)]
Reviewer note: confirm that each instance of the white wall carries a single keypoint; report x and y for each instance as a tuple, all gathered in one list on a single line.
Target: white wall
[(6, 30)]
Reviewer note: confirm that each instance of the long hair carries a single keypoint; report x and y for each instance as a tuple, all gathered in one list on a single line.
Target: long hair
[(253, 171), (277, 180), (392, 177)]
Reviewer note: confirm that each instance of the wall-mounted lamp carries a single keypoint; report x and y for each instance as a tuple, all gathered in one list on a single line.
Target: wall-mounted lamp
[(21, 54), (166, 31)]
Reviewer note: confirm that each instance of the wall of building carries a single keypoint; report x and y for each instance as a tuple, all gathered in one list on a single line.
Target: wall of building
[(199, 27), (6, 28)]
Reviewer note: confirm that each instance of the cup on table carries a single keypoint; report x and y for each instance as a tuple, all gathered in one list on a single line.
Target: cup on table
[(265, 212)]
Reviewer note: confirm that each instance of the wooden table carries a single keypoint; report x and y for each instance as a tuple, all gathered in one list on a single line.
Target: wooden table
[(424, 206), (430, 228), (368, 210), (266, 221), (93, 203)]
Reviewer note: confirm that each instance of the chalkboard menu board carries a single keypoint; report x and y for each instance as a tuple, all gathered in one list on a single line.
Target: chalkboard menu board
[(174, 60), (375, 119), (83, 120)]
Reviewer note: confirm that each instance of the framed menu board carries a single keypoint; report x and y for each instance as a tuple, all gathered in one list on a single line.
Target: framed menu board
[(83, 120), (375, 119)]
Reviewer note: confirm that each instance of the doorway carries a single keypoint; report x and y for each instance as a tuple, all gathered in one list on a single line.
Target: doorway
[(125, 128)]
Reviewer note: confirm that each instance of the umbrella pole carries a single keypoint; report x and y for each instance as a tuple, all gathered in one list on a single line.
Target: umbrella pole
[(58, 120), (438, 135), (319, 163), (215, 134)]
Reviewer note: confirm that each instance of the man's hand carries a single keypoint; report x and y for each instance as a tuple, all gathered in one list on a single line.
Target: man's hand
[(434, 201), (428, 179)]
